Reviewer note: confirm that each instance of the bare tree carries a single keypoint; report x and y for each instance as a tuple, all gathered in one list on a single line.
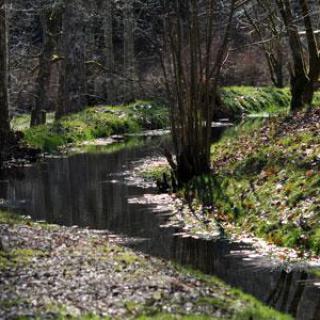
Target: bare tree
[(263, 19), (73, 74), (129, 50), (4, 115), (305, 69), (106, 7), (50, 21), (192, 61)]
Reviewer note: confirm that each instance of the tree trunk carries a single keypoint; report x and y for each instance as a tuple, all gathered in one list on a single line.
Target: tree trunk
[(192, 70), (4, 113), (73, 74), (129, 51), (298, 73), (108, 48), (50, 28), (314, 57)]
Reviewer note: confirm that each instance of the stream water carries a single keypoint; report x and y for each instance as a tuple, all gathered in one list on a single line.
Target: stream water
[(90, 190)]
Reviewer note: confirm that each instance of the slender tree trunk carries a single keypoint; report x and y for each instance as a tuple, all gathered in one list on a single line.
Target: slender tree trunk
[(298, 72), (192, 68), (314, 57), (73, 74), (48, 24), (91, 50), (108, 48), (4, 112), (129, 51)]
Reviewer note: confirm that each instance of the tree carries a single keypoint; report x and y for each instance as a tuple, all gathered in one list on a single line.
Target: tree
[(305, 69), (262, 17), (106, 7), (4, 113), (72, 95), (192, 60), (129, 50), (50, 21)]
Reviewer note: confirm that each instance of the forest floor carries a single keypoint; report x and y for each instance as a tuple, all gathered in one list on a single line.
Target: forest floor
[(55, 272), (266, 185)]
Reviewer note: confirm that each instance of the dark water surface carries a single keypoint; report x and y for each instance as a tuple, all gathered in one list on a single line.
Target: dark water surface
[(90, 190)]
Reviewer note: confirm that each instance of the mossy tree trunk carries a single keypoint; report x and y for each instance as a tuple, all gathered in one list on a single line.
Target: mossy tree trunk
[(4, 112)]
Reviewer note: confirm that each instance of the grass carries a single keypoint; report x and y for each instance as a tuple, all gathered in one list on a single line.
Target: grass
[(268, 180), (258, 101), (92, 123), (11, 219), (156, 172), (251, 100)]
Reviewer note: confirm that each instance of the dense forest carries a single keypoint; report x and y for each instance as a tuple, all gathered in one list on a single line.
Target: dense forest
[(155, 155)]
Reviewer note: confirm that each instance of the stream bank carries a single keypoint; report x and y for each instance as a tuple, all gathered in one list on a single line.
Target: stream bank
[(55, 272)]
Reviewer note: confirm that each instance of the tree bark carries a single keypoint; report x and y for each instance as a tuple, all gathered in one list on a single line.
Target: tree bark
[(73, 74), (192, 65), (51, 26), (129, 51), (314, 57), (4, 112), (298, 73), (106, 7)]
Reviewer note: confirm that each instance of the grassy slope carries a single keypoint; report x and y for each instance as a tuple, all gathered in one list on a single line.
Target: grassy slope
[(269, 174), (248, 100), (92, 123), (33, 256)]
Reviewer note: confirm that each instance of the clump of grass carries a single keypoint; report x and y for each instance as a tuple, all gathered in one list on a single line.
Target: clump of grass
[(12, 218), (156, 172)]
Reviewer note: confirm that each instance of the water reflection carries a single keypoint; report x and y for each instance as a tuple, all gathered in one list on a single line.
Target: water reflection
[(89, 190)]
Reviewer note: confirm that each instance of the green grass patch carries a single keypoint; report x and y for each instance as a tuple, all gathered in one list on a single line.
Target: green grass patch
[(267, 180), (252, 100), (13, 218), (17, 258), (97, 122)]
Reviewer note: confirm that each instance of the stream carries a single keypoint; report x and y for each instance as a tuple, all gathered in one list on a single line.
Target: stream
[(90, 189)]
